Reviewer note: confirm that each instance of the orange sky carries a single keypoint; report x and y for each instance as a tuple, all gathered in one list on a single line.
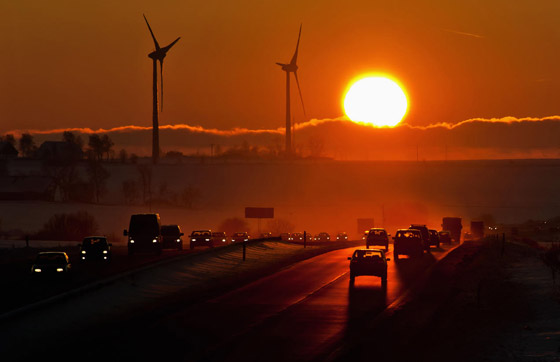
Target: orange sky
[(84, 64)]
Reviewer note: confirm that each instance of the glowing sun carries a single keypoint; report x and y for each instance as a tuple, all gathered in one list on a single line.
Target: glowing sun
[(377, 101)]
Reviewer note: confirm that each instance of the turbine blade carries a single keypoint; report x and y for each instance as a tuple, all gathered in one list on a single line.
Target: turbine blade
[(161, 81), (300, 96), (294, 58), (166, 49), (151, 32), (280, 64)]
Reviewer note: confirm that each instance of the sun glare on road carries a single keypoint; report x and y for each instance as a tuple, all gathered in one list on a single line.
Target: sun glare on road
[(376, 101)]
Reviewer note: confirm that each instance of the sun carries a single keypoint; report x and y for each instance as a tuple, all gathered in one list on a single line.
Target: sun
[(376, 101)]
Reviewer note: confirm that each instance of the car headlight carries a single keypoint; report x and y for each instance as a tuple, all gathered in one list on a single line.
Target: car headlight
[(104, 251), (246, 239), (83, 251), (37, 270), (131, 241), (207, 239), (178, 240), (193, 239), (59, 270), (105, 257), (224, 240)]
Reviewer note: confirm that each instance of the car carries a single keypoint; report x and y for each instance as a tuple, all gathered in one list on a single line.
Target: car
[(219, 237), (408, 242), (285, 236), (239, 237), (51, 263), (144, 233), (434, 237), (342, 236), (445, 237), (467, 236), (425, 234), (171, 237), (95, 248), (377, 236), (266, 235), (201, 238), (323, 236), (369, 262), (297, 237)]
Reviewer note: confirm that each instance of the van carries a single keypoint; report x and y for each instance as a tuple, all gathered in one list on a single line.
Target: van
[(144, 233)]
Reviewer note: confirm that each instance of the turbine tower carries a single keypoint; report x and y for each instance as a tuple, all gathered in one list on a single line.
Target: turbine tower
[(291, 68), (157, 55)]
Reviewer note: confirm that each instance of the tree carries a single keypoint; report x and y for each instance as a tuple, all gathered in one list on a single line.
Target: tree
[(71, 138), (130, 191), (278, 226), (98, 176), (9, 138), (234, 225), (106, 146), (189, 196), (123, 155), (96, 147), (145, 172), (27, 145)]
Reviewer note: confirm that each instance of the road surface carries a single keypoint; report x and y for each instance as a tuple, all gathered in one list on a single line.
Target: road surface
[(300, 313)]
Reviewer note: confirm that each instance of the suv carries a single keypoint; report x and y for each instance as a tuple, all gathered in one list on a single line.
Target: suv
[(342, 236), (240, 237), (144, 233), (377, 236), (425, 234), (408, 242), (171, 235), (95, 248), (369, 262), (434, 237), (201, 238), (219, 237), (297, 236)]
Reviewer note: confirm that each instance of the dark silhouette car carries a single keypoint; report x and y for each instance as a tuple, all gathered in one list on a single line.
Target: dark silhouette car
[(297, 236), (434, 237), (95, 248), (144, 233), (454, 226), (240, 237), (171, 236), (445, 237), (342, 236), (201, 238), (322, 237), (408, 242), (425, 234), (377, 236), (219, 237), (285, 236), (51, 263), (369, 262)]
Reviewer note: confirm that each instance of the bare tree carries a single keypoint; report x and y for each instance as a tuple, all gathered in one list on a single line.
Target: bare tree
[(278, 226), (130, 191), (98, 176), (96, 147), (27, 145)]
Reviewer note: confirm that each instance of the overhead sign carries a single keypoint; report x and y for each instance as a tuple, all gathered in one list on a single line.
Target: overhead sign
[(259, 212)]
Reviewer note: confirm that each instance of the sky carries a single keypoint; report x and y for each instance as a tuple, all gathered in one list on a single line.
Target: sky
[(84, 64)]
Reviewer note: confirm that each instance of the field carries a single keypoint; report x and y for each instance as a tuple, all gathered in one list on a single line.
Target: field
[(316, 195)]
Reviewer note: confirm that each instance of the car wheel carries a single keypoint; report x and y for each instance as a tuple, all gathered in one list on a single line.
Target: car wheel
[(180, 247), (130, 251), (192, 247), (352, 278)]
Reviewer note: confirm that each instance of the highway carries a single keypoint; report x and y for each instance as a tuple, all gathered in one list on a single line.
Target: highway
[(303, 312)]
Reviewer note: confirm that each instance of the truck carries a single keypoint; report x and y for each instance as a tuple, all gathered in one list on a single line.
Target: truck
[(454, 226), (144, 233), (477, 229)]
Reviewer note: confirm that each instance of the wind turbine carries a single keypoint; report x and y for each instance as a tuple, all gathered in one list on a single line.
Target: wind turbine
[(291, 67), (157, 55)]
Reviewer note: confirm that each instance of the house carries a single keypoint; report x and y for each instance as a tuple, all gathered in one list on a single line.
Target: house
[(59, 150)]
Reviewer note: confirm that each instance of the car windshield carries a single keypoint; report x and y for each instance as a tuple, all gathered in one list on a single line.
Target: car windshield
[(239, 234), (95, 242), (218, 234), (377, 233), (201, 233), (144, 224), (408, 234), (368, 255), (169, 230), (50, 259)]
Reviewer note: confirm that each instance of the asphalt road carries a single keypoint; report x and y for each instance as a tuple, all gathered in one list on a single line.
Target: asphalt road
[(300, 313)]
